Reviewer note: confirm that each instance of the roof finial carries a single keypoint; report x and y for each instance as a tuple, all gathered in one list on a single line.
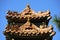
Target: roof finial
[(28, 6)]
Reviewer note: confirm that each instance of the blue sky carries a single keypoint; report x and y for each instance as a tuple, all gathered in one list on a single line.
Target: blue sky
[(36, 5)]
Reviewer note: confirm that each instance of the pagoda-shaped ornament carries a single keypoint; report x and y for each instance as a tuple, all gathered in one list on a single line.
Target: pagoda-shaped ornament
[(28, 25)]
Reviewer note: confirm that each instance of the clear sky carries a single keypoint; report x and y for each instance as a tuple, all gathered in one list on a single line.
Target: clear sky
[(37, 5)]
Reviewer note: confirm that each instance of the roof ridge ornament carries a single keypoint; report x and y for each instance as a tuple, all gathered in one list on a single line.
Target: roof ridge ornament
[(28, 10), (28, 6)]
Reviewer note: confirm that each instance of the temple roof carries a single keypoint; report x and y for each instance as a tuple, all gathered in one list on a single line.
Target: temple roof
[(26, 30), (26, 14), (29, 23)]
